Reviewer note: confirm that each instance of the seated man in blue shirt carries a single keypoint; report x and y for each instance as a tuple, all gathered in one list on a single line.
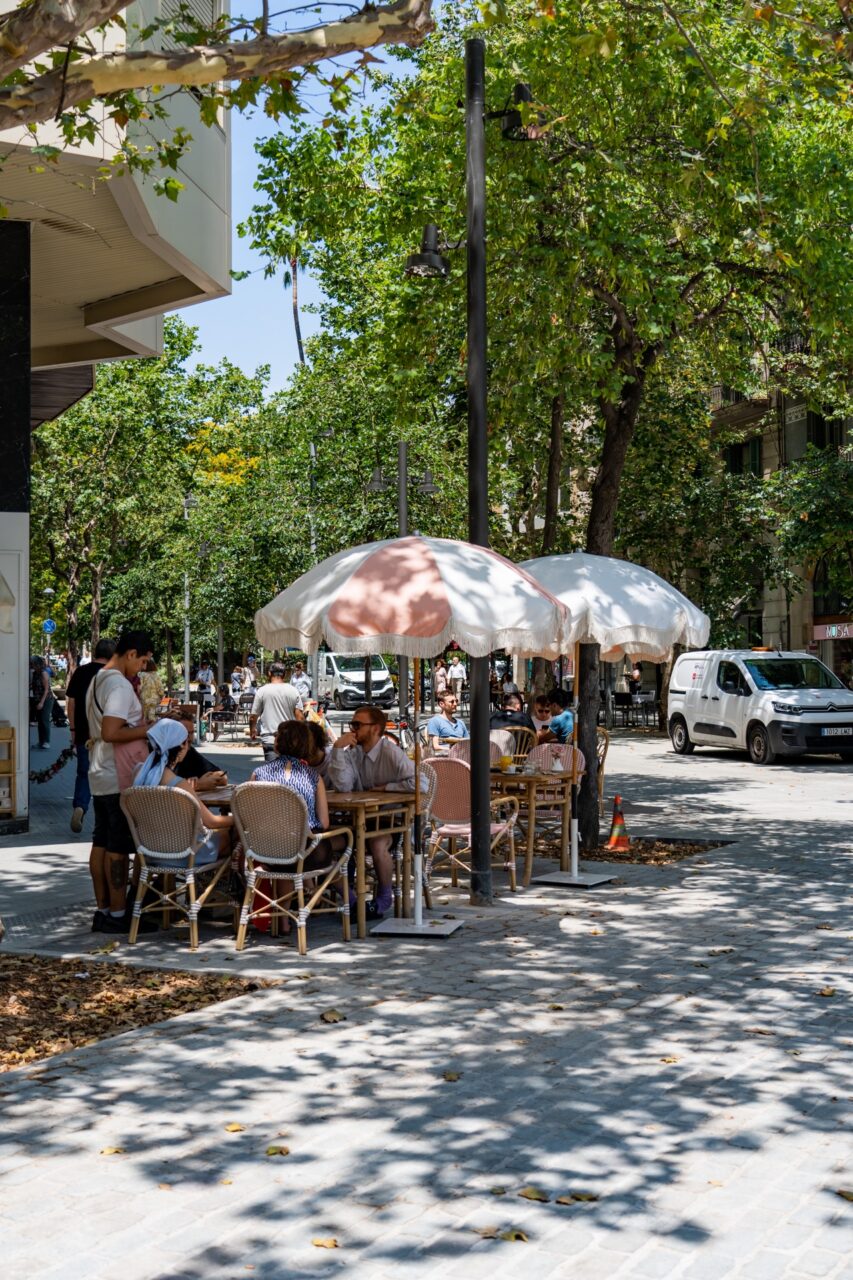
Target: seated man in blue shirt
[(446, 724), (562, 720)]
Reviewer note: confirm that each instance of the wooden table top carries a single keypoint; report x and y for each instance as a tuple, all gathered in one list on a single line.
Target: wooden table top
[(355, 799)]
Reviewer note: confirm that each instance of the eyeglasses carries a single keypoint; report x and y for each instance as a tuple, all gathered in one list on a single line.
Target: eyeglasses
[(359, 724)]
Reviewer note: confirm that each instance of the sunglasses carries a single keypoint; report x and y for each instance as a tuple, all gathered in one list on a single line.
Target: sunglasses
[(359, 724)]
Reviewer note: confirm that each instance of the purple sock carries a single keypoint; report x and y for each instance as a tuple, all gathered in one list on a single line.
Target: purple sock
[(383, 900)]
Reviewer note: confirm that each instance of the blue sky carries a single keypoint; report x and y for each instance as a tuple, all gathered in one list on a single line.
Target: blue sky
[(255, 324)]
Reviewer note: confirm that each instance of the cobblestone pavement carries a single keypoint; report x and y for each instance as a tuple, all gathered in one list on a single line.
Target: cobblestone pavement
[(675, 1044)]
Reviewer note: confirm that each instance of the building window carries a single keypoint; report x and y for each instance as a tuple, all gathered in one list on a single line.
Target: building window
[(828, 600), (745, 458)]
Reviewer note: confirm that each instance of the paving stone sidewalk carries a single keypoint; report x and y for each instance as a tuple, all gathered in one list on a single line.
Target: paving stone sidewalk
[(667, 1044)]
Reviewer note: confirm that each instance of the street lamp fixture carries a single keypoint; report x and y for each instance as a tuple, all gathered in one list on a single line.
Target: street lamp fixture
[(378, 482), (429, 262), (513, 128), (190, 501)]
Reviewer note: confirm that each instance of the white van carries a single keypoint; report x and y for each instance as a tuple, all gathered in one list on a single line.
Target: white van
[(339, 678), (764, 701)]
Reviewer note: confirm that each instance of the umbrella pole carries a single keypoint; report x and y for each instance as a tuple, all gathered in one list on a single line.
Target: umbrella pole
[(418, 850), (573, 839)]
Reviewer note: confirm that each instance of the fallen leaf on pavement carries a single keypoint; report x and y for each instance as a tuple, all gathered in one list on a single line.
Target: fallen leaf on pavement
[(823, 926), (325, 1242), (534, 1193), (556, 1008), (721, 951), (514, 1234), (670, 1058), (234, 1127), (497, 1191), (488, 1233), (105, 950), (164, 1186), (827, 991), (112, 1151), (278, 1151), (333, 1015), (452, 1076), (577, 1197), (844, 1193), (758, 1031), (225, 1182)]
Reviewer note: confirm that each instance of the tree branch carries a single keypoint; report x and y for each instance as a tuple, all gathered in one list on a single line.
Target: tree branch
[(402, 22), (27, 32)]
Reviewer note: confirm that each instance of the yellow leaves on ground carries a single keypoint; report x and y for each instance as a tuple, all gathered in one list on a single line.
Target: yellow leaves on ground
[(844, 1193), (112, 1151), (333, 1015), (721, 951), (226, 1182), (534, 1193), (497, 1191), (669, 1058), (511, 1233), (452, 1076), (556, 1008), (827, 991), (577, 1197), (514, 1234), (234, 1127), (325, 1242), (278, 1151)]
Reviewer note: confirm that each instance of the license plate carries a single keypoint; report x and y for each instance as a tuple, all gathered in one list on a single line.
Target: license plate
[(839, 731)]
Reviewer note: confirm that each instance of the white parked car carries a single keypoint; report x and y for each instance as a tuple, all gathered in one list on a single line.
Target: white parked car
[(764, 701)]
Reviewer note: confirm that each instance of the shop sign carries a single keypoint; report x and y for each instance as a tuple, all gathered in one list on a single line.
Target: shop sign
[(835, 631)]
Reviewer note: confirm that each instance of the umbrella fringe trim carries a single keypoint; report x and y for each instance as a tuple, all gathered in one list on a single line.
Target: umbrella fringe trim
[(479, 646)]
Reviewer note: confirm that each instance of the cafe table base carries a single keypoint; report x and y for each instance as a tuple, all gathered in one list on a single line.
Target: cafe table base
[(565, 880), (401, 927)]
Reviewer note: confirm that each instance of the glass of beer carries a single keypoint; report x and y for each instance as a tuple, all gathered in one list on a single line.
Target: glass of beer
[(505, 762)]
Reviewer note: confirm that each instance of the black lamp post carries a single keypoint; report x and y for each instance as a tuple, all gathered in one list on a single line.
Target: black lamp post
[(378, 483), (429, 262)]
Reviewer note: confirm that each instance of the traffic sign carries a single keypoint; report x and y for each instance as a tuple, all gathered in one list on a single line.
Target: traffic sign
[(48, 626)]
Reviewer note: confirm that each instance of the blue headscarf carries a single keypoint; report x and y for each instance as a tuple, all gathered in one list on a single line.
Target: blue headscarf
[(163, 736)]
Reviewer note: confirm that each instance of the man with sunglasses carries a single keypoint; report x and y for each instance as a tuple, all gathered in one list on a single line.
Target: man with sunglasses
[(363, 759)]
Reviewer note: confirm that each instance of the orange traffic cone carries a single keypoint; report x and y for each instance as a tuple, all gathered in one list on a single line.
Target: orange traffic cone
[(618, 834)]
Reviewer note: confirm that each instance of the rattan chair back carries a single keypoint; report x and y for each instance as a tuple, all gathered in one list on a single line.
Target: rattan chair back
[(543, 757), (272, 821), (462, 751), (165, 823), (452, 801)]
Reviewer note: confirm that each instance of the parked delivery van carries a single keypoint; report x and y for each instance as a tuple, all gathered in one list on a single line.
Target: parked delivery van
[(764, 701), (339, 678)]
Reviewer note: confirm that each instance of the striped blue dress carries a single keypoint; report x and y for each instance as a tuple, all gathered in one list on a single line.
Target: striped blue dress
[(299, 777)]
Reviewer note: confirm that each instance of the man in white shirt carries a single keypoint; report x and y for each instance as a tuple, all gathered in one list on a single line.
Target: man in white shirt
[(114, 715), (456, 676), (274, 702), (365, 760)]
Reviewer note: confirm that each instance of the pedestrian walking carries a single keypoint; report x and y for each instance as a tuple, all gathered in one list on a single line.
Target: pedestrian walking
[(42, 701)]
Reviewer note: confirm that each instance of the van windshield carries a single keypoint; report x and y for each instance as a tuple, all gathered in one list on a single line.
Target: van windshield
[(791, 673), (355, 662)]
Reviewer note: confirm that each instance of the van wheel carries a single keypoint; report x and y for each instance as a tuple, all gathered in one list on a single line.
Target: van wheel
[(758, 745), (680, 737), (339, 702)]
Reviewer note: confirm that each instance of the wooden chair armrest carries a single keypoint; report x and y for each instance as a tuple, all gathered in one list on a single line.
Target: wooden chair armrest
[(497, 801), (339, 831)]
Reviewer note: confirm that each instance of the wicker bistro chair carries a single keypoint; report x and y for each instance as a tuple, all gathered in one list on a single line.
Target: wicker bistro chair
[(548, 798), (504, 740), (451, 821), (524, 740), (272, 823), (166, 828), (462, 751)]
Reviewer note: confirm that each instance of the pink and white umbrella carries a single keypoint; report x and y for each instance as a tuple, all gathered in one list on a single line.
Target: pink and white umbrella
[(412, 596)]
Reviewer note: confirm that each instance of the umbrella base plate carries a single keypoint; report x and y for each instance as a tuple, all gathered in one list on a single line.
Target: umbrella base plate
[(565, 880), (397, 927)]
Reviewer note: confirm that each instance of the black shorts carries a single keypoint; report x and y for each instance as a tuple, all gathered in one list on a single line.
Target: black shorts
[(111, 830)]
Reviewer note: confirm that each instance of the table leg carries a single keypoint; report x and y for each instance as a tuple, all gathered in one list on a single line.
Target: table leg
[(407, 872), (360, 876), (531, 832), (564, 827)]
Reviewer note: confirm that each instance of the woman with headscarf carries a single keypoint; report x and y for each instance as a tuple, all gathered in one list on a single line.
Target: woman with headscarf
[(169, 743)]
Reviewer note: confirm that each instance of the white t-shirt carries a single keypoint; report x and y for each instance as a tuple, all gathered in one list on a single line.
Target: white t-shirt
[(109, 694), (456, 672)]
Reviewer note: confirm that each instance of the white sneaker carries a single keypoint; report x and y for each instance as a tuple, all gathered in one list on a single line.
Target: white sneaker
[(77, 819)]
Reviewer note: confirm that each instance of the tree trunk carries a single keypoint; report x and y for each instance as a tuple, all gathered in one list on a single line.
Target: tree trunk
[(297, 327), (620, 420), (96, 576)]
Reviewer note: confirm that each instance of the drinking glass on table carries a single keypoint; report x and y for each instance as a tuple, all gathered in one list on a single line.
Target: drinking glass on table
[(505, 763)]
